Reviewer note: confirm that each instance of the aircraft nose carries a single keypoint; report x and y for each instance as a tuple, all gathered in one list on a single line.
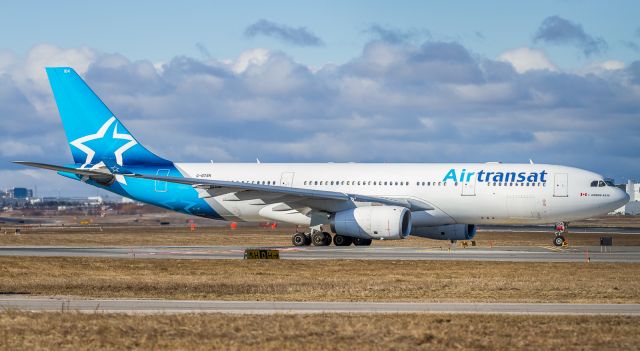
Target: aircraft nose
[(621, 197)]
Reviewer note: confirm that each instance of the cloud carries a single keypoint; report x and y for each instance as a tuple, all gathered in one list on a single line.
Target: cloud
[(602, 67), (300, 36), (430, 102), (248, 58), (527, 59), (394, 35), (631, 45), (557, 30), (202, 49)]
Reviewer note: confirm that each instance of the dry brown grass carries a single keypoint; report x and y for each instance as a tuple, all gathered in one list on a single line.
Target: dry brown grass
[(72, 331), (323, 280), (251, 236)]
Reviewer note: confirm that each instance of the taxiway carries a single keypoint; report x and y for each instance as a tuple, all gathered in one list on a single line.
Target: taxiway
[(269, 307)]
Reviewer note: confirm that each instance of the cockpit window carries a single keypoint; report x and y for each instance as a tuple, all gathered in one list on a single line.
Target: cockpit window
[(601, 183)]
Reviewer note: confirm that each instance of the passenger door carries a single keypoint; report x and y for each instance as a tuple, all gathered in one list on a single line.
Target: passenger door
[(469, 188), (560, 185), (286, 179)]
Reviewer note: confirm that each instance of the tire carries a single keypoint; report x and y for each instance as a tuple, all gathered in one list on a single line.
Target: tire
[(299, 239), (339, 240), (327, 238), (318, 239), (361, 242), (558, 240), (307, 239), (349, 241)]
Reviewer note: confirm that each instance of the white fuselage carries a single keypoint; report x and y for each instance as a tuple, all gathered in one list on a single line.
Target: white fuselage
[(477, 193)]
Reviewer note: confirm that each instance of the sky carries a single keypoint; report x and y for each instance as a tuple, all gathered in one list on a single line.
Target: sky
[(362, 81)]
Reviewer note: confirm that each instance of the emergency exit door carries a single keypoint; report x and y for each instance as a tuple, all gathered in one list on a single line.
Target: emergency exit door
[(561, 185)]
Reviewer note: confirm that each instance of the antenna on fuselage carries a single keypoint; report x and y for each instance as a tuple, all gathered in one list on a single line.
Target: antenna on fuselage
[(257, 160), (530, 161)]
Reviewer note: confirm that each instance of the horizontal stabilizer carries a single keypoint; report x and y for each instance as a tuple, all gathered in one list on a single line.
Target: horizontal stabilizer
[(99, 175)]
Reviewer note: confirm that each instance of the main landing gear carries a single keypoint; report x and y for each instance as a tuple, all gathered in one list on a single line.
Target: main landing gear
[(320, 238), (560, 231)]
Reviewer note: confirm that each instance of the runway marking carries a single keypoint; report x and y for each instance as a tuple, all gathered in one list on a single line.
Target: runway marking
[(559, 249)]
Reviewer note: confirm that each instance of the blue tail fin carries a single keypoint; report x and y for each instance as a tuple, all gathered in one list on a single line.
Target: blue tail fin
[(94, 134)]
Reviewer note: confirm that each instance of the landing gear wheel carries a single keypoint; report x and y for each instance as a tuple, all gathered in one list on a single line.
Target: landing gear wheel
[(361, 242), (327, 238), (558, 240), (299, 239), (320, 239), (341, 240)]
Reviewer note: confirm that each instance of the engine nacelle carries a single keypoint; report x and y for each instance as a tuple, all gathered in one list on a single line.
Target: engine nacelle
[(447, 232), (377, 222)]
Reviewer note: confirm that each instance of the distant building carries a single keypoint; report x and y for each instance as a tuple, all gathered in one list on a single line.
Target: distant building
[(20, 193), (95, 200), (633, 206), (126, 200), (74, 201)]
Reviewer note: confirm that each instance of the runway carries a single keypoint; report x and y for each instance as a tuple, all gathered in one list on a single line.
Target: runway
[(270, 307), (627, 254)]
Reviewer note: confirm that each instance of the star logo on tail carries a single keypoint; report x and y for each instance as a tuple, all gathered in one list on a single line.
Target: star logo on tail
[(80, 143)]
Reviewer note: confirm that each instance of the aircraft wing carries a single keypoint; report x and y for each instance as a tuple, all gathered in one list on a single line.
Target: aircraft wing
[(229, 186)]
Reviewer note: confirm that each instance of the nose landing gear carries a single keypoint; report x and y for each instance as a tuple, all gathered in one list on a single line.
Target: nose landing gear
[(560, 232)]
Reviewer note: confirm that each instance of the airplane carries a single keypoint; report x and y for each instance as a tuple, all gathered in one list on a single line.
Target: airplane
[(357, 202)]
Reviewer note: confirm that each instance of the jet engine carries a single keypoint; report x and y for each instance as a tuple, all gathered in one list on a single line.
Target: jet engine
[(373, 222), (446, 232)]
